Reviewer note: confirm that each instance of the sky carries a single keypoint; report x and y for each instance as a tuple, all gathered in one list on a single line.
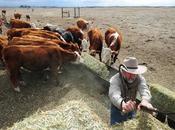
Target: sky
[(70, 3)]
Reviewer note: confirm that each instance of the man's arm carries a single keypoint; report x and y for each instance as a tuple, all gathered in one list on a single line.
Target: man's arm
[(115, 91), (144, 90), (144, 93)]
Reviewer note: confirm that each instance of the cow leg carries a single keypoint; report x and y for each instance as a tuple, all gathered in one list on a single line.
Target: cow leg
[(112, 59), (54, 73), (13, 72), (115, 58), (59, 68), (55, 77), (14, 77), (100, 56)]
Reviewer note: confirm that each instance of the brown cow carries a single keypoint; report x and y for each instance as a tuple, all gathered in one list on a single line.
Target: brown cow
[(35, 58), (17, 15), (77, 35), (18, 32), (16, 23), (82, 24), (96, 42), (27, 17), (113, 39), (34, 40), (3, 43), (3, 12)]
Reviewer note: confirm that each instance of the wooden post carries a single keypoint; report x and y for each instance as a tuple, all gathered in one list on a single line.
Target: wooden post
[(65, 13), (62, 12), (76, 12)]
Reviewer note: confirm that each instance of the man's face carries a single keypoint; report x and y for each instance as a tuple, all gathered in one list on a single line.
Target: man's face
[(129, 77)]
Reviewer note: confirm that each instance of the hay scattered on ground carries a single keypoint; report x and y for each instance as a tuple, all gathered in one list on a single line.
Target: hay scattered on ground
[(77, 115), (72, 115)]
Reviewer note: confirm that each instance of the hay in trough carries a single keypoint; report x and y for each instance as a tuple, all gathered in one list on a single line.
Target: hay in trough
[(143, 121), (163, 98), (95, 65)]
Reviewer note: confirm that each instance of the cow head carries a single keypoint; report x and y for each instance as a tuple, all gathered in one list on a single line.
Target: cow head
[(92, 52), (116, 42), (106, 55), (77, 35), (79, 59), (75, 48)]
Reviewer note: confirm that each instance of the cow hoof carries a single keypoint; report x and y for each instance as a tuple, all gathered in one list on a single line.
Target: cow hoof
[(59, 72), (22, 83), (47, 77), (17, 89)]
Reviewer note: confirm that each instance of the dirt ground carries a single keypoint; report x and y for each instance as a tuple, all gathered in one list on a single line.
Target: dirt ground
[(148, 34)]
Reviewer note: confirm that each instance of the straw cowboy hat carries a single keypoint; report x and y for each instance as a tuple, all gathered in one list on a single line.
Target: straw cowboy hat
[(131, 66)]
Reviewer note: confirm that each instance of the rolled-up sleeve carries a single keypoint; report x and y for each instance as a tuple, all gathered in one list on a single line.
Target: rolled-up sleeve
[(144, 90), (115, 91)]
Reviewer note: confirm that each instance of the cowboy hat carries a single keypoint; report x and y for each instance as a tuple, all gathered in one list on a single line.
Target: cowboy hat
[(131, 66)]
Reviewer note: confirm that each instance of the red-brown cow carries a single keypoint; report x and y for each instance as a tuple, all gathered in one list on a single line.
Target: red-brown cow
[(34, 40), (16, 23), (77, 35), (3, 43), (35, 58), (82, 24), (96, 42), (18, 32), (113, 39), (17, 15)]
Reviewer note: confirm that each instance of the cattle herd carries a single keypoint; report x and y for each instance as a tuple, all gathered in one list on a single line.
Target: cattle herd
[(36, 49)]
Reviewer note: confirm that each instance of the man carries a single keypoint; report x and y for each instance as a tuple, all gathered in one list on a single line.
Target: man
[(124, 87)]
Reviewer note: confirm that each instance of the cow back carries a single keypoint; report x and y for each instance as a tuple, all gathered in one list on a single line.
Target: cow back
[(96, 39), (16, 23)]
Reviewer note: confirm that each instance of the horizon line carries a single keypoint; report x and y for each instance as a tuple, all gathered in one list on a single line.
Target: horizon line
[(28, 6)]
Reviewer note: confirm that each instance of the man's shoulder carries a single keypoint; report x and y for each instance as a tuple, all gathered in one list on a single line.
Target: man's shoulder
[(114, 78), (141, 77)]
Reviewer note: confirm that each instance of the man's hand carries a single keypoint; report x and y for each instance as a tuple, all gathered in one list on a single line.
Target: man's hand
[(128, 106), (146, 104)]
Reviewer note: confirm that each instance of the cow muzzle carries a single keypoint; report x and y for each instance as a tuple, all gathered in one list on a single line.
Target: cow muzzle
[(79, 59), (92, 52)]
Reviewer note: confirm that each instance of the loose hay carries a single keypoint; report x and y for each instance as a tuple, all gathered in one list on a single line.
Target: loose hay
[(71, 115), (77, 115)]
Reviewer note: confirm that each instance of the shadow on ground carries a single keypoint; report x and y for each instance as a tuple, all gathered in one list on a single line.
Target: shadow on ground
[(75, 82)]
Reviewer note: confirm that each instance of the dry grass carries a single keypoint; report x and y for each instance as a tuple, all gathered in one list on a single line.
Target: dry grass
[(71, 115)]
